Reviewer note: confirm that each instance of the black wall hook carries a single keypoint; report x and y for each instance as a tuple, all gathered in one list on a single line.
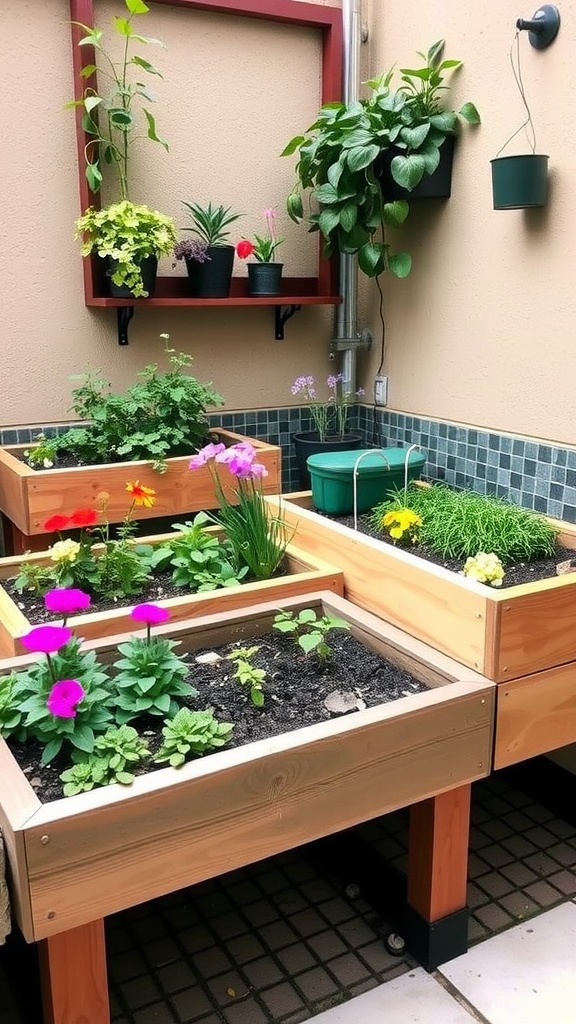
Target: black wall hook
[(542, 28)]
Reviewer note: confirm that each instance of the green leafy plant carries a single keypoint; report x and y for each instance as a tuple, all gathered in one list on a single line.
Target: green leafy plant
[(43, 454), (248, 674), (10, 713), (162, 415), (116, 752), (459, 524), (309, 630), (338, 154), (128, 234), (111, 120), (150, 675), (200, 560), (192, 733), (210, 222)]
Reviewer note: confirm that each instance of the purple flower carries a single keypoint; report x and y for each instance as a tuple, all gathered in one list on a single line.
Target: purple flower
[(243, 451), (151, 614), (258, 470), (63, 601), (64, 697), (210, 451), (46, 639)]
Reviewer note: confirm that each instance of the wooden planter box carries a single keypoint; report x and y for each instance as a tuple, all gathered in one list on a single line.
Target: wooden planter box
[(523, 638), (304, 574), (28, 497), (76, 860)]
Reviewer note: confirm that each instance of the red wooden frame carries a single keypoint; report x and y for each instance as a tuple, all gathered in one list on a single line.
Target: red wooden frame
[(171, 290)]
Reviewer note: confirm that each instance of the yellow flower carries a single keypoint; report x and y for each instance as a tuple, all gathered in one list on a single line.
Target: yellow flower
[(64, 551), (141, 495), (485, 567), (402, 522)]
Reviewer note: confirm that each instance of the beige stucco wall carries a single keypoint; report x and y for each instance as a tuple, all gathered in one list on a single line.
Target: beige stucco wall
[(481, 332), (234, 92)]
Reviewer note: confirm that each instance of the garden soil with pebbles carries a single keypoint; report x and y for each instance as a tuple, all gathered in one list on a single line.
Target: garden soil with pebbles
[(295, 688)]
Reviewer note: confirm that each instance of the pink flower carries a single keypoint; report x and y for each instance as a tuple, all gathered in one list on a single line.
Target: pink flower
[(46, 639), (258, 470), (64, 601), (244, 249), (151, 614), (64, 697), (210, 451), (243, 449)]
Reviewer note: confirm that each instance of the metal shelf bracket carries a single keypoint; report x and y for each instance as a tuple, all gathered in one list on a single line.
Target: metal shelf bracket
[(281, 315), (124, 315)]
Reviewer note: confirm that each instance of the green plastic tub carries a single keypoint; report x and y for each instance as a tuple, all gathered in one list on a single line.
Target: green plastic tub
[(379, 470)]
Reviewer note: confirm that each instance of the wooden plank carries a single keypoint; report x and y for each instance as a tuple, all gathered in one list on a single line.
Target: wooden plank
[(241, 806), (18, 803), (304, 574), (438, 854), (535, 714), (74, 976), (43, 493), (537, 628), (425, 600)]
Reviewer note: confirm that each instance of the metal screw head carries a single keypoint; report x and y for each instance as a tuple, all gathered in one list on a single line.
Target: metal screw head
[(44, 840), (51, 915)]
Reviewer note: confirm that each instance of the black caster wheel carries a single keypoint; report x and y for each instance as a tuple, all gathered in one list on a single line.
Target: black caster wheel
[(395, 944)]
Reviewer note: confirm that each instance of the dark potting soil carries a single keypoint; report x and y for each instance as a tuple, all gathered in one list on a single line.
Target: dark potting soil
[(520, 572), (295, 689)]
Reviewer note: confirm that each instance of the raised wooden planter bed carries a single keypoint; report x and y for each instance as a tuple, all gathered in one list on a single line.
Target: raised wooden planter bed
[(304, 574), (76, 860), (28, 497), (524, 637)]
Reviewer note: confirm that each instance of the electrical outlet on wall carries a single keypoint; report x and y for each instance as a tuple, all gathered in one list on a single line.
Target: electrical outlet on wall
[(381, 390)]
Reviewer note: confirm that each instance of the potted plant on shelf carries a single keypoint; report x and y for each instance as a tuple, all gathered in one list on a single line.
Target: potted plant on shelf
[(340, 160), (265, 275), (155, 426), (210, 276), (129, 237), (331, 422)]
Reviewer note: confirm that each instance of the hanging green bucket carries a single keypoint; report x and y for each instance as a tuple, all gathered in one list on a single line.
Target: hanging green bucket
[(519, 182)]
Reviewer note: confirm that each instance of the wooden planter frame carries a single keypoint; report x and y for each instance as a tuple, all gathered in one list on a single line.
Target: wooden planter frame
[(28, 497), (523, 638), (304, 574), (76, 860)]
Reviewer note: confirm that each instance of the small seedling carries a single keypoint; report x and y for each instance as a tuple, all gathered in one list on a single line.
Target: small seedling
[(247, 674), (189, 733), (309, 630)]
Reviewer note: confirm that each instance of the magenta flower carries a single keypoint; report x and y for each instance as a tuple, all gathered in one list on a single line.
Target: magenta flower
[(64, 697), (46, 639), (258, 470), (64, 601), (210, 451), (151, 614)]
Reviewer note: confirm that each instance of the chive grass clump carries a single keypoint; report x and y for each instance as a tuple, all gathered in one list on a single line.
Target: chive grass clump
[(458, 524)]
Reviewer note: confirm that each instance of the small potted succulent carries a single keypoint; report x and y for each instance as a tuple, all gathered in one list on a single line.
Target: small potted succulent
[(129, 237), (265, 275), (342, 161), (210, 277)]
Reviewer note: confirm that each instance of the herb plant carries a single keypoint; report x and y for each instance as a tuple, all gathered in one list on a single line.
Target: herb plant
[(309, 630), (115, 753), (84, 776), (210, 223), (43, 454), (248, 674), (164, 414), (200, 561), (191, 733), (111, 121), (149, 678)]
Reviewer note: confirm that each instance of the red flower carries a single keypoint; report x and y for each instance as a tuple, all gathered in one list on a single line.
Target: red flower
[(56, 523), (244, 249), (84, 517)]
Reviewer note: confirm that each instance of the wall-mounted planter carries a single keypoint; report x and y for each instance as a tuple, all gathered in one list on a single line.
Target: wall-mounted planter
[(524, 637), (28, 497), (519, 182), (437, 185)]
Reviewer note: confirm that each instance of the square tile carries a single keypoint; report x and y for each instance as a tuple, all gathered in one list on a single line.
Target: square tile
[(414, 998), (316, 984)]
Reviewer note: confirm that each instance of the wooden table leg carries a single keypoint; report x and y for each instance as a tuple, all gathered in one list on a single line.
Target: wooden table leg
[(73, 976), (16, 542), (438, 872)]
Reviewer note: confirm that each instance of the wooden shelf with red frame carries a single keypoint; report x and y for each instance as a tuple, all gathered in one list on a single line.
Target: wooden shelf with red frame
[(171, 291)]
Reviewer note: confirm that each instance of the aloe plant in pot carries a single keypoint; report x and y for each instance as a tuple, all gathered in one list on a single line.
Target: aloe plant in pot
[(340, 159), (210, 277), (129, 236)]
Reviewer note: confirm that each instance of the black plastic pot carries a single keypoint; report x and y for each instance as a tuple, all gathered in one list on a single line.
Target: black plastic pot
[(308, 443), (211, 279), (265, 278), (437, 185), (149, 269), (519, 182)]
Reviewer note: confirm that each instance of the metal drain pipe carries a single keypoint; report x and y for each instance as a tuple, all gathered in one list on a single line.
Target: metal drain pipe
[(346, 338)]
